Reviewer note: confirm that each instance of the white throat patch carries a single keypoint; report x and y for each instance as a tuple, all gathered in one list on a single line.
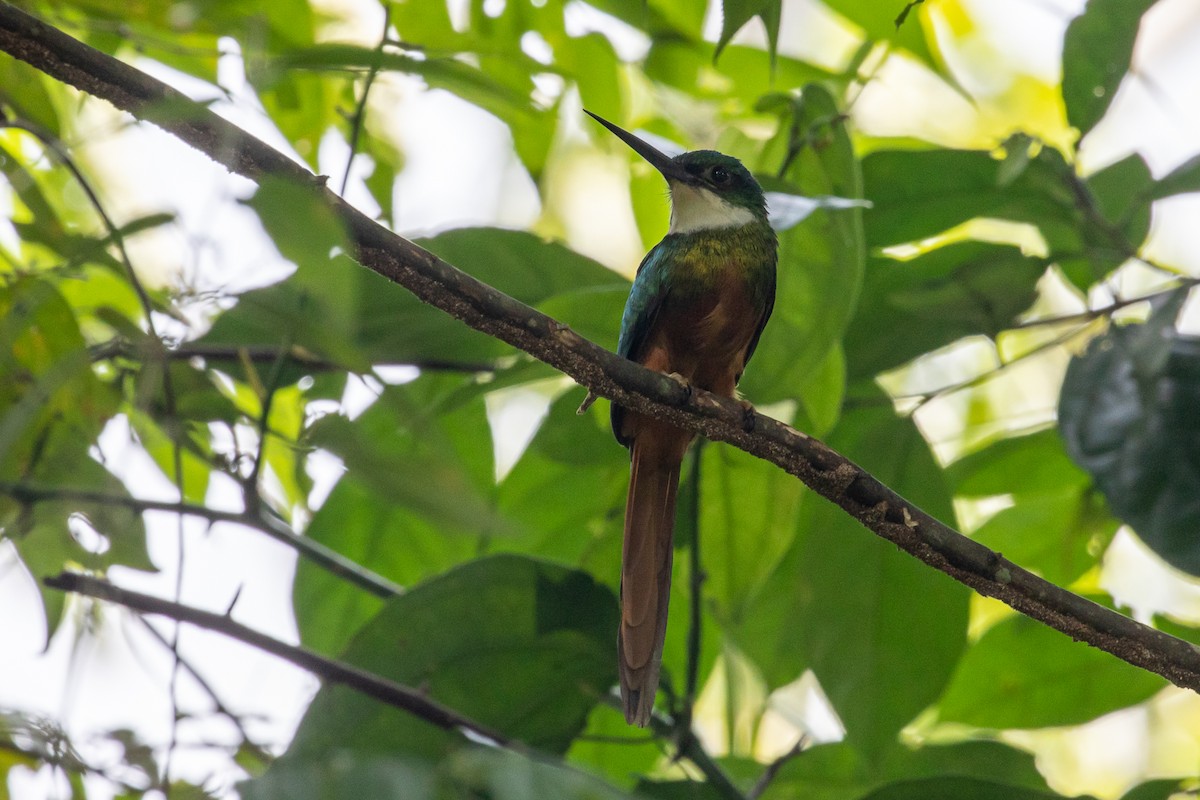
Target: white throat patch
[(694, 208)]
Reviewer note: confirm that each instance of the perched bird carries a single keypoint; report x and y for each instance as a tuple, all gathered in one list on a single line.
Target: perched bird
[(697, 308)]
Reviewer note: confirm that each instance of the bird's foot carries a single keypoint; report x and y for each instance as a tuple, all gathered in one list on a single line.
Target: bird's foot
[(587, 402), (748, 414), (684, 384)]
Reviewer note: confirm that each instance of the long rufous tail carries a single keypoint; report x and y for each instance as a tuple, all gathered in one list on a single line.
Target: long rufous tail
[(646, 565)]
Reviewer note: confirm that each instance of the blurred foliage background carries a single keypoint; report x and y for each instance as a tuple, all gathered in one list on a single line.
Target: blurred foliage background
[(1000, 333)]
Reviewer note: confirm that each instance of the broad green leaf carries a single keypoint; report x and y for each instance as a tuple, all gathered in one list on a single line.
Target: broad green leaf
[(1155, 790), (25, 90), (661, 19), (1127, 416), (609, 747), (1119, 190), (1096, 55), (1057, 525), (748, 521), (909, 308), (837, 771), (1181, 180), (386, 324), (566, 492), (467, 773), (843, 603), (470, 83), (917, 194), (415, 502), (956, 789), (741, 72), (1035, 462), (161, 440), (820, 259), (678, 789), (1022, 674), (897, 21), (1059, 534), (52, 408), (522, 646), (736, 13), (403, 448)]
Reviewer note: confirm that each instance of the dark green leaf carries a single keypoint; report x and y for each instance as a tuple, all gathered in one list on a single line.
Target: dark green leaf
[(522, 646), (837, 771), (1127, 416), (1059, 534), (909, 308), (820, 259), (736, 13), (1154, 790), (1120, 190), (893, 20), (1035, 462), (472, 772), (1184, 178), (1021, 674), (383, 323), (917, 194), (1096, 56), (741, 72), (843, 603), (956, 789)]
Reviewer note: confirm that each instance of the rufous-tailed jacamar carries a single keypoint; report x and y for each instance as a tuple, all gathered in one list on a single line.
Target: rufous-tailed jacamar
[(697, 308)]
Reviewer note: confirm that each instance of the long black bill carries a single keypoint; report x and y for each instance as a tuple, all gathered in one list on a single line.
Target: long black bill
[(659, 160)]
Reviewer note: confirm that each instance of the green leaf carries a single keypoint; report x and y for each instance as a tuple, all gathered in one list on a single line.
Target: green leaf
[(1155, 790), (416, 500), (909, 308), (1120, 190), (956, 789), (843, 603), (1022, 674), (897, 21), (1058, 534), (736, 13), (1181, 180), (1096, 55), (415, 447), (1127, 416), (748, 521), (741, 72), (382, 323), (1035, 462), (522, 646), (820, 259), (1057, 525), (837, 771), (917, 194), (467, 773), (470, 83)]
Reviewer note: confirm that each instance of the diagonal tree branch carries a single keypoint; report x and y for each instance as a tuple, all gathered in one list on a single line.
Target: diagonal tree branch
[(435, 282), (390, 692)]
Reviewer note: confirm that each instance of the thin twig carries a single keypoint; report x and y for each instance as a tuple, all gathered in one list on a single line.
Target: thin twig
[(382, 689), (204, 685), (360, 110), (689, 747), (773, 768)]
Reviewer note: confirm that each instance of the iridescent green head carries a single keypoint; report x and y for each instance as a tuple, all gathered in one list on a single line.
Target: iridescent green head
[(709, 190)]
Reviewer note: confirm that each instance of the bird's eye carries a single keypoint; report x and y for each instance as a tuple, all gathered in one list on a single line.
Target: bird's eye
[(720, 176)]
